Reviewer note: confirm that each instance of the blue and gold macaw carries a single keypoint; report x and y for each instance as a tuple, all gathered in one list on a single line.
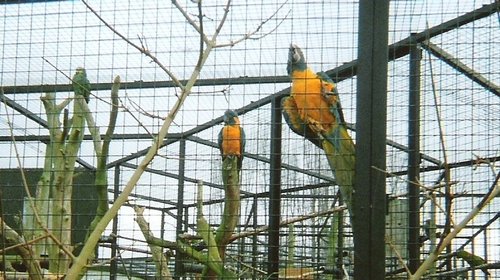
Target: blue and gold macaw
[(232, 138), (81, 85), (313, 110)]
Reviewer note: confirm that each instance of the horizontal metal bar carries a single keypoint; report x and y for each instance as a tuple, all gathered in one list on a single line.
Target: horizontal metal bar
[(25, 89), (464, 163), (122, 136)]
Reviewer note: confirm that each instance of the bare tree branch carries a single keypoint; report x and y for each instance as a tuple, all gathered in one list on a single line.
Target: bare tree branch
[(23, 249), (458, 271), (161, 261), (200, 16), (80, 262), (389, 242), (221, 23), (199, 29), (481, 160), (249, 35), (139, 48)]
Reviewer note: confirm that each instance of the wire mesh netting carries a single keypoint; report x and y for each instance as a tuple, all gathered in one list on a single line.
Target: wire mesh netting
[(181, 65)]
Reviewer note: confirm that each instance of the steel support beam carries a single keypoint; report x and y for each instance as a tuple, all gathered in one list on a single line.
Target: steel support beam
[(368, 219), (461, 67), (274, 191), (414, 159), (180, 206)]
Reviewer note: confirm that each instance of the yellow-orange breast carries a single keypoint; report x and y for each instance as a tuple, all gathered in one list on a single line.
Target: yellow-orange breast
[(231, 140), (306, 90)]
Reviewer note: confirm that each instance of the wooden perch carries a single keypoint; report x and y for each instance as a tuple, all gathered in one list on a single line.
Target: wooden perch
[(231, 214), (161, 262), (214, 264), (101, 148), (24, 250)]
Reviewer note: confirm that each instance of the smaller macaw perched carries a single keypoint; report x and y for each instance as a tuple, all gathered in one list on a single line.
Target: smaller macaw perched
[(232, 137), (81, 85)]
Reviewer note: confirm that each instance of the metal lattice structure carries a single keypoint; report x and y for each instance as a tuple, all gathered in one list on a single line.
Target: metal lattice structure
[(441, 147)]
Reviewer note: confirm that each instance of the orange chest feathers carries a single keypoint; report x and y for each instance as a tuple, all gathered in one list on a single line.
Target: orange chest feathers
[(307, 92), (231, 140)]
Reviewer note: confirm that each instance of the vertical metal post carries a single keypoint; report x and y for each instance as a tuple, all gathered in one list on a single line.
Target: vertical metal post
[(180, 204), (113, 269), (255, 220), (485, 250), (186, 219), (275, 191), (414, 158), (371, 114)]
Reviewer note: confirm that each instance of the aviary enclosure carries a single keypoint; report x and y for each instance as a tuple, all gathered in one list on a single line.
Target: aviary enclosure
[(110, 164)]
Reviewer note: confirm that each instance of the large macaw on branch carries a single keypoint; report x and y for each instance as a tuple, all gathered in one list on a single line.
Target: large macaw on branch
[(313, 111)]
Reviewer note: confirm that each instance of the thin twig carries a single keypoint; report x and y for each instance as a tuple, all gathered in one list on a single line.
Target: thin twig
[(429, 189), (2, 251), (261, 229), (222, 21), (127, 110), (249, 35), (480, 160), (141, 49), (246, 265), (141, 111), (191, 21), (420, 185), (388, 241), (286, 222)]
